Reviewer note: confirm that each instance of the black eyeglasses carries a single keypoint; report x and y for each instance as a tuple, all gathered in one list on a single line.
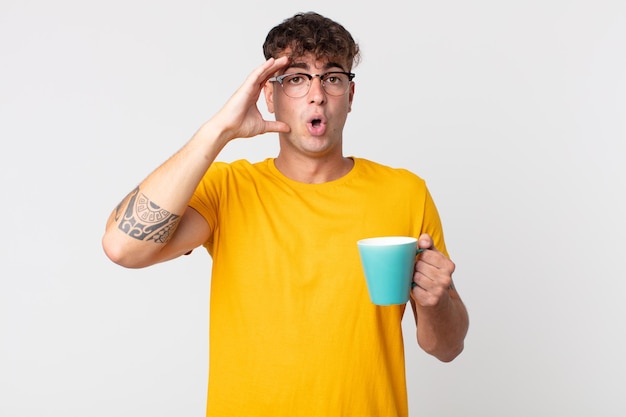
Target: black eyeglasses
[(296, 85)]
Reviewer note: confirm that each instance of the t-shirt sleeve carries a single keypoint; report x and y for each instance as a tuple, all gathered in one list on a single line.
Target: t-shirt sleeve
[(206, 197), (432, 223)]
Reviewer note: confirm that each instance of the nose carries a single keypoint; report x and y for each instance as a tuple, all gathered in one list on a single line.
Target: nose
[(316, 91)]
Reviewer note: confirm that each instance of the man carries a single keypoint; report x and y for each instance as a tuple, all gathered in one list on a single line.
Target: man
[(292, 330)]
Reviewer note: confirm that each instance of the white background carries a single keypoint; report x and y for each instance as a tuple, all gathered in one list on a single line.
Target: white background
[(513, 111)]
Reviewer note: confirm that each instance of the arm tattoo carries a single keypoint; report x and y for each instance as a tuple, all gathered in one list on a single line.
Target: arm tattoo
[(145, 220)]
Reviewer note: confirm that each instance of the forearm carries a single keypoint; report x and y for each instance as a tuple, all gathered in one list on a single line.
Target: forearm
[(140, 227), (441, 329), (154, 211)]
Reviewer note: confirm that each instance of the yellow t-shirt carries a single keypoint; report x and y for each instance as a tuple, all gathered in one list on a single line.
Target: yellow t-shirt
[(292, 330)]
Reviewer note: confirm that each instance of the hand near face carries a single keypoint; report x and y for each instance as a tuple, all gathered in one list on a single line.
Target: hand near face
[(240, 116), (433, 275)]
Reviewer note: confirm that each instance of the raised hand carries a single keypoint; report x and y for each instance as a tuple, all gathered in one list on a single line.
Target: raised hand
[(240, 116)]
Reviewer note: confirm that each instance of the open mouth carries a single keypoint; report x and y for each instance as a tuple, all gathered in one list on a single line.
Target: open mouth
[(317, 126)]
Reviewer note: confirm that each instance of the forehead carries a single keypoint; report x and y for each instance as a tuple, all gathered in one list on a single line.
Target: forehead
[(309, 61)]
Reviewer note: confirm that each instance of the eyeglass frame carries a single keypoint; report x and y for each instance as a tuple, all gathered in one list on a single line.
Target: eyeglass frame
[(279, 79)]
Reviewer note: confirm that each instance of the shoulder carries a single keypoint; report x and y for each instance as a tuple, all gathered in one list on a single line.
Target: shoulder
[(235, 169), (383, 172), (221, 166)]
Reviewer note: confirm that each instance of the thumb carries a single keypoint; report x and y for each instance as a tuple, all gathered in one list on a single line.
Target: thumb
[(276, 126), (425, 242)]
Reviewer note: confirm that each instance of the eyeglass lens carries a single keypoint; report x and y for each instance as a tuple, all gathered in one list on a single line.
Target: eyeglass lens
[(333, 83)]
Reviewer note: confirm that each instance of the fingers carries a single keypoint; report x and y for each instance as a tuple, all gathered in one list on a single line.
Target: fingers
[(433, 274), (270, 68), (256, 80), (276, 126), (434, 265), (431, 286), (260, 76), (240, 117)]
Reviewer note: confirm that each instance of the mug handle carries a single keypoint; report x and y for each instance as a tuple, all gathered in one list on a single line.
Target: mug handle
[(417, 252)]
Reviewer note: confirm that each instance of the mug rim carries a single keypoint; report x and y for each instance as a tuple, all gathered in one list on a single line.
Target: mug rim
[(386, 240)]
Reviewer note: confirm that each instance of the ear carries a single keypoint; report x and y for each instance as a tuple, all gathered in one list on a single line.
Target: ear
[(268, 89)]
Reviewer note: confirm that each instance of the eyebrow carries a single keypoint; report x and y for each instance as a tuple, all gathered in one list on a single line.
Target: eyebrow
[(305, 66)]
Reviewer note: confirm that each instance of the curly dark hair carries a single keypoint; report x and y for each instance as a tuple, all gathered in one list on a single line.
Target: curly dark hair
[(312, 32)]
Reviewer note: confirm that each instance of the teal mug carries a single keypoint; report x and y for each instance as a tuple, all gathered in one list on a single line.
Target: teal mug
[(388, 264)]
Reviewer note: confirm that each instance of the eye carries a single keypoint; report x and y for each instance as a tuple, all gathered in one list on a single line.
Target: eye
[(333, 78), (295, 79)]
